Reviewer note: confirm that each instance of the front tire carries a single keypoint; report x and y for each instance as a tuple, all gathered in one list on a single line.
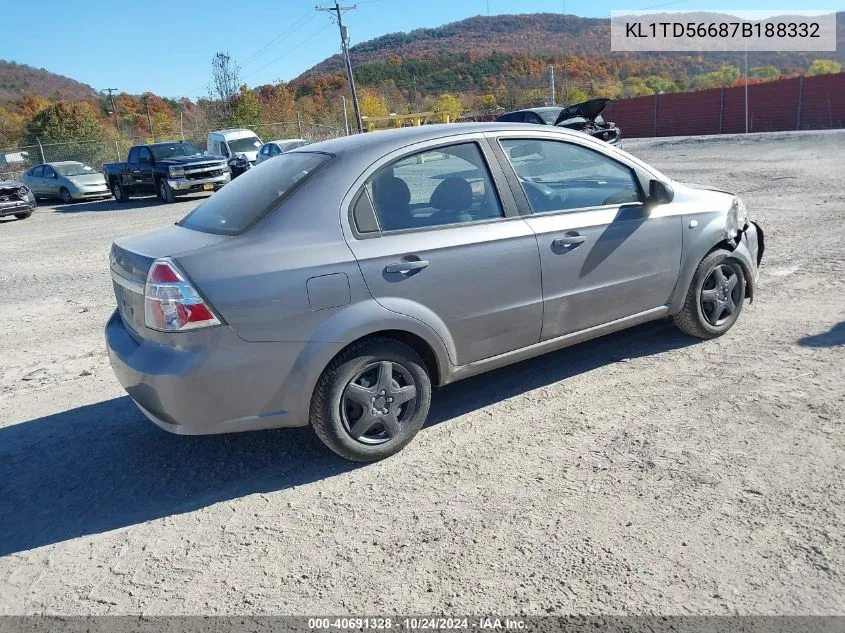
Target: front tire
[(64, 194), (165, 193), (371, 400), (119, 192), (715, 297)]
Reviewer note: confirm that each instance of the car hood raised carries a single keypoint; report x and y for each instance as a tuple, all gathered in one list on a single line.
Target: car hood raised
[(587, 109)]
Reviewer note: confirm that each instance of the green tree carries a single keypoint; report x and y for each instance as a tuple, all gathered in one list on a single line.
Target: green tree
[(763, 72), (727, 75), (64, 121), (824, 67), (658, 84), (635, 87), (247, 108)]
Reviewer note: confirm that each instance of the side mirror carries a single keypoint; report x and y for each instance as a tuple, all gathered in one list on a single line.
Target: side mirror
[(659, 192)]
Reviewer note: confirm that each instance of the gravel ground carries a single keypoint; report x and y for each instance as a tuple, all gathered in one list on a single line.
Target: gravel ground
[(641, 473)]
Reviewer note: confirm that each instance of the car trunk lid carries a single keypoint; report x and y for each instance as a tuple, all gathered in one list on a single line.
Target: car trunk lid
[(131, 258)]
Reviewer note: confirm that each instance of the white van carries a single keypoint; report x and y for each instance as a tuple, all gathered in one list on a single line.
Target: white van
[(234, 142)]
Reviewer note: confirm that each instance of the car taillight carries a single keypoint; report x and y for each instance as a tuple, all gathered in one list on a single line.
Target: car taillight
[(171, 304)]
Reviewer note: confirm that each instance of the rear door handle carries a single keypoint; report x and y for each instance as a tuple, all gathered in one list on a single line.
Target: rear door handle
[(569, 240), (406, 267)]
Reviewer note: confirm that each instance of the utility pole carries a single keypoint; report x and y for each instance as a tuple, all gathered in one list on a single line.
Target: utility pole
[(113, 108), (344, 41), (146, 100), (551, 85), (345, 115)]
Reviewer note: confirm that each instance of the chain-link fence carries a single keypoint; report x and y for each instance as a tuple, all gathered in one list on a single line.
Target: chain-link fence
[(14, 161)]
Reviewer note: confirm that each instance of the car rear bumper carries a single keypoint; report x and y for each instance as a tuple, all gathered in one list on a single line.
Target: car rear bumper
[(17, 206), (214, 383), (191, 184)]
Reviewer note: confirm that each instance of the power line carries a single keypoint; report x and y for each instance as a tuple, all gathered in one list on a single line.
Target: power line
[(289, 50), (298, 23)]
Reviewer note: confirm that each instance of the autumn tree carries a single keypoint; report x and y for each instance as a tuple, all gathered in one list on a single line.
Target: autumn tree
[(247, 112), (64, 121), (824, 67), (447, 107), (372, 104)]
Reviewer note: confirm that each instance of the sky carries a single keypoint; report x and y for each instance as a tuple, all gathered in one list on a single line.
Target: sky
[(166, 47)]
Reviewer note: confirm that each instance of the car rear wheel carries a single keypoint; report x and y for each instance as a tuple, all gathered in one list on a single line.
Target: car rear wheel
[(119, 192), (23, 216), (165, 193), (371, 400), (715, 297), (64, 194)]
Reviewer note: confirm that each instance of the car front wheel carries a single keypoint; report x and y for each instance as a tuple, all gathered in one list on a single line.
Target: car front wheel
[(65, 195), (119, 192), (165, 193), (371, 400), (715, 297)]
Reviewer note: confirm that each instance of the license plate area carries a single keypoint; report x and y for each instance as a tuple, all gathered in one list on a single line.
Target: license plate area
[(208, 187)]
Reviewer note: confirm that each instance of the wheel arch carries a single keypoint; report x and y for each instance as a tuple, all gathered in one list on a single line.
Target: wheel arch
[(712, 236)]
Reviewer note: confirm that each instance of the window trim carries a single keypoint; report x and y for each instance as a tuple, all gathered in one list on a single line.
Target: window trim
[(395, 157), (523, 200)]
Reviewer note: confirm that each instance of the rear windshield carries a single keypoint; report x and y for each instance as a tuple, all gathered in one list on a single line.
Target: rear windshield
[(244, 201)]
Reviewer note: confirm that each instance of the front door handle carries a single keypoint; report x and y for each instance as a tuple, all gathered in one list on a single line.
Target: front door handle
[(406, 267), (571, 239)]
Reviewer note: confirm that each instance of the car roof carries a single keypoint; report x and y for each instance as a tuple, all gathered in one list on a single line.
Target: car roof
[(389, 140), (285, 140), (63, 162), (234, 131)]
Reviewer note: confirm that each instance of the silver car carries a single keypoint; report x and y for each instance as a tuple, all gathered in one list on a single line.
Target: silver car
[(67, 180), (274, 148), (342, 281)]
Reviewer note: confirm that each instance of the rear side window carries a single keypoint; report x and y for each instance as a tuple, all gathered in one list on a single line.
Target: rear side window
[(244, 201), (447, 185)]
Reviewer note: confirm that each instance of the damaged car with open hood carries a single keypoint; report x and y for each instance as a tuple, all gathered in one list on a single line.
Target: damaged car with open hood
[(16, 199), (582, 117)]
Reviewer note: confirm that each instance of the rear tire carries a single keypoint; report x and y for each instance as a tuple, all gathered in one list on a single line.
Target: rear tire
[(165, 193), (23, 216), (374, 376), (119, 192), (715, 297), (64, 194)]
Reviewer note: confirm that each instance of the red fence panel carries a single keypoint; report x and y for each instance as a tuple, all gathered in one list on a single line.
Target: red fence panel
[(806, 103), (689, 113), (635, 117), (823, 102)]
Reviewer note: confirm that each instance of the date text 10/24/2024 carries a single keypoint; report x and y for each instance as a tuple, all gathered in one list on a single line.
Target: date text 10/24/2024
[(417, 624)]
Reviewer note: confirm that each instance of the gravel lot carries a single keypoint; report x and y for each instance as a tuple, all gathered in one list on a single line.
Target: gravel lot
[(644, 472)]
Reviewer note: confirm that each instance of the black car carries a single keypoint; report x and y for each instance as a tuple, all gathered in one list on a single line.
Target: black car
[(167, 170), (584, 117), (16, 199)]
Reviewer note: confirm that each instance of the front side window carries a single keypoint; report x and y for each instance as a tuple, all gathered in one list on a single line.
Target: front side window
[(559, 176), (37, 172), (439, 187)]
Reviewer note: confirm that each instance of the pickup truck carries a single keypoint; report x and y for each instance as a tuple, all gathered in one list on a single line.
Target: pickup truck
[(166, 169)]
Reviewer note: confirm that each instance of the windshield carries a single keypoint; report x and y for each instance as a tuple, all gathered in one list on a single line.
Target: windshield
[(250, 144), (244, 201), (74, 169), (169, 150)]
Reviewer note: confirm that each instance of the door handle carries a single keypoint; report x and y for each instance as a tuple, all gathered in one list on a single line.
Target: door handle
[(569, 240), (406, 267)]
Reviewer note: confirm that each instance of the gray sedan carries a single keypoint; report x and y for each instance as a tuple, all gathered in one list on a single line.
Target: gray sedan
[(67, 180), (341, 282)]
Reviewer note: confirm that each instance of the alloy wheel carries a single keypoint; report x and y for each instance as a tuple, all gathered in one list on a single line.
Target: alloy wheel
[(378, 402), (720, 294)]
